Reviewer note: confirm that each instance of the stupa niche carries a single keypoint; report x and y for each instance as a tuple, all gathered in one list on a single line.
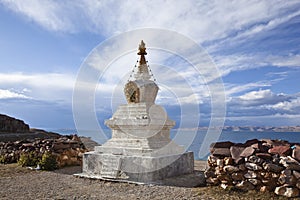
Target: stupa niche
[(140, 149)]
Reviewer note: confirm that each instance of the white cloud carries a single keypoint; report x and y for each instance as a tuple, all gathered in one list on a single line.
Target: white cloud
[(232, 89), (201, 20), (291, 106), (285, 61), (51, 15), (261, 98), (8, 94), (257, 95), (52, 86)]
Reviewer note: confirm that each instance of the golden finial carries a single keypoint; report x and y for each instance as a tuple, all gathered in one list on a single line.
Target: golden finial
[(142, 52)]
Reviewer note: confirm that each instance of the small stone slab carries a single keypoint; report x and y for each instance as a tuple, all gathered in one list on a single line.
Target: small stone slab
[(236, 153), (221, 152), (248, 151), (265, 156), (296, 152), (226, 144), (282, 150)]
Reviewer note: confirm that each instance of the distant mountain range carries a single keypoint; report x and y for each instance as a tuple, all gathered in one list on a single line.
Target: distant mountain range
[(258, 128)]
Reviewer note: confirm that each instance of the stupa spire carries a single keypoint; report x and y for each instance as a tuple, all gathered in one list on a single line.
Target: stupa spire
[(142, 52), (142, 72)]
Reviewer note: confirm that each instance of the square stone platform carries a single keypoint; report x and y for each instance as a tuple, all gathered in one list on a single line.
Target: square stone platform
[(136, 169)]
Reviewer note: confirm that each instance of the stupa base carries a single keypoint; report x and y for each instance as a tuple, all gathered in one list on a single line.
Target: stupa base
[(137, 169)]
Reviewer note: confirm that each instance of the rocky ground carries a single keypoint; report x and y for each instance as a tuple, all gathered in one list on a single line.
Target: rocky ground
[(21, 183)]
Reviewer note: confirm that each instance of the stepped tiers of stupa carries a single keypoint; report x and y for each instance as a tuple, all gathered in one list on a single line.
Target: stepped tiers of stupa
[(140, 149)]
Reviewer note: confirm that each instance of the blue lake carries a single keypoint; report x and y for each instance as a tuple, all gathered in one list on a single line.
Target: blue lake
[(193, 140)]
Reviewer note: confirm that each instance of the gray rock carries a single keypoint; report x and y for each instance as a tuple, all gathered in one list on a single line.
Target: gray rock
[(248, 151), (238, 176), (254, 159), (236, 153), (250, 174), (245, 186), (253, 166), (228, 161), (210, 172), (290, 163), (212, 161), (265, 156), (226, 144), (242, 167), (287, 191), (270, 183), (230, 169), (287, 180), (296, 174), (272, 167), (286, 172), (296, 152), (224, 178), (220, 162), (221, 152), (298, 184), (212, 181), (254, 181)]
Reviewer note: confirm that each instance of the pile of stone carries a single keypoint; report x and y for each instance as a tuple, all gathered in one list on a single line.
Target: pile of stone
[(264, 165), (67, 149)]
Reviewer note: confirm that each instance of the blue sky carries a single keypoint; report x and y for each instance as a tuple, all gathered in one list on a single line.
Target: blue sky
[(254, 44)]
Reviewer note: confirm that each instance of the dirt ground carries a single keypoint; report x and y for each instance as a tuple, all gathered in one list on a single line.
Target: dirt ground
[(21, 183)]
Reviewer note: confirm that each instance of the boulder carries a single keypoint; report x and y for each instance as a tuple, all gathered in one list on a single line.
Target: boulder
[(235, 152), (296, 174), (212, 161), (296, 152), (255, 159), (265, 156), (272, 167), (210, 172), (226, 144), (287, 191), (212, 181), (287, 180), (255, 182), (238, 176), (223, 152), (270, 183), (250, 174), (252, 142), (259, 147), (228, 161), (224, 178), (248, 151), (245, 186), (265, 188), (282, 150), (230, 169), (290, 163), (252, 166), (220, 162)]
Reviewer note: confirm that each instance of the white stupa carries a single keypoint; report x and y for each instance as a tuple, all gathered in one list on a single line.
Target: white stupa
[(140, 149)]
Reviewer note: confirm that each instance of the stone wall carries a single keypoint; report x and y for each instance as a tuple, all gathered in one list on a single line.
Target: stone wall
[(68, 150), (264, 165), (12, 125)]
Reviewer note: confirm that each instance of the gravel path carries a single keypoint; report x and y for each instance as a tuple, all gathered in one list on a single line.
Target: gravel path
[(20, 183)]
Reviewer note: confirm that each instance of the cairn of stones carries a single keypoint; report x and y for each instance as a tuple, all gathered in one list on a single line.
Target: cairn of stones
[(263, 165)]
